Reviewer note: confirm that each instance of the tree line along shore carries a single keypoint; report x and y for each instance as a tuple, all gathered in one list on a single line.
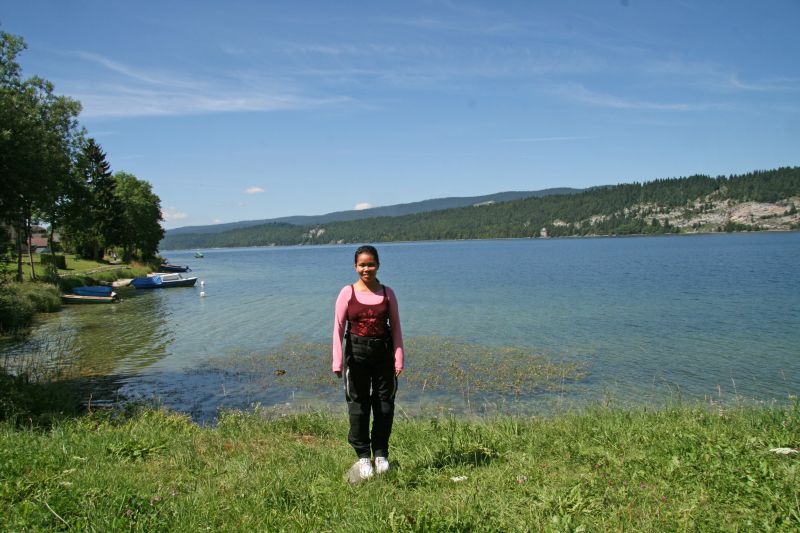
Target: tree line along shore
[(756, 201), (55, 174), (56, 177)]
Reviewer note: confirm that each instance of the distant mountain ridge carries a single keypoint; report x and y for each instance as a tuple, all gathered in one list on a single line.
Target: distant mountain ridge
[(423, 206), (755, 201)]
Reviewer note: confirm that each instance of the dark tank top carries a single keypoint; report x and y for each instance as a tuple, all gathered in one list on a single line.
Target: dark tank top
[(368, 320)]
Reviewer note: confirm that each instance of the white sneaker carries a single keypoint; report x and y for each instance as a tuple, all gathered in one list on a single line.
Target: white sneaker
[(381, 465), (365, 469)]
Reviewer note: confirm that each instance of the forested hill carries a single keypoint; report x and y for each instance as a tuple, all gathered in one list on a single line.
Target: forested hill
[(435, 204), (761, 200)]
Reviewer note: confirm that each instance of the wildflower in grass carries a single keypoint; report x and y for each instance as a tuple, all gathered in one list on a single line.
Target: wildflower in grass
[(783, 451)]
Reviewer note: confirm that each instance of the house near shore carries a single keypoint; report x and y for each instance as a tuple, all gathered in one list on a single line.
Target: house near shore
[(38, 237)]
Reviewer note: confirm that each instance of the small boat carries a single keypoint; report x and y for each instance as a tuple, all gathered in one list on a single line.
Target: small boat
[(93, 290), (163, 280), (121, 283), (150, 282), (170, 279), (79, 299), (166, 267), (198, 254)]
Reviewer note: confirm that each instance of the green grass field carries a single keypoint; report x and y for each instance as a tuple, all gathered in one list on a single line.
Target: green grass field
[(76, 266), (676, 469)]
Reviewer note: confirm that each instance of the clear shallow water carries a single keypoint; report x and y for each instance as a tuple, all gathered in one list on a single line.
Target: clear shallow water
[(710, 316)]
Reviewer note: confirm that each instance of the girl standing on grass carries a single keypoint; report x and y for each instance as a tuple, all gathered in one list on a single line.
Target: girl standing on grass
[(366, 316)]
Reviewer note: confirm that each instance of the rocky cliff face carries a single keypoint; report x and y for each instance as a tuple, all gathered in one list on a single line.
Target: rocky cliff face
[(710, 214)]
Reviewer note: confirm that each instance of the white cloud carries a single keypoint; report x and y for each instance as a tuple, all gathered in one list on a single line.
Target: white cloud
[(713, 76), (582, 94), (362, 206), (545, 139), (171, 213), (118, 101), (253, 190), (120, 90), (774, 85), (216, 221)]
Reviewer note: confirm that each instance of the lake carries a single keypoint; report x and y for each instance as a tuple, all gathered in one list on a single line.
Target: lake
[(496, 326)]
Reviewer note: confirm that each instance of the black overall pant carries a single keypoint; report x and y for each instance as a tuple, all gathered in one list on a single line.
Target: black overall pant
[(369, 385)]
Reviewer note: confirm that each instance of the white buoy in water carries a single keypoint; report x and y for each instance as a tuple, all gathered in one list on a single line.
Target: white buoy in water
[(202, 293), (202, 283)]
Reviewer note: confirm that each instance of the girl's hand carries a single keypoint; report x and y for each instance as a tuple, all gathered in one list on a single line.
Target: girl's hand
[(398, 372)]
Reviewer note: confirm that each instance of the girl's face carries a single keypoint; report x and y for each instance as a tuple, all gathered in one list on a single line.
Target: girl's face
[(366, 268)]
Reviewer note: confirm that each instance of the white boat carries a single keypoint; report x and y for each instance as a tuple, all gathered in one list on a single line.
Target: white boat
[(173, 279)]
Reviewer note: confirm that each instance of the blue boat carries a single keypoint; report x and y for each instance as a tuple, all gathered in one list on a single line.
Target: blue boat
[(80, 299), (93, 290), (151, 282)]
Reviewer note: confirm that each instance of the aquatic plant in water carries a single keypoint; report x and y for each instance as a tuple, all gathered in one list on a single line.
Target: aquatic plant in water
[(436, 366)]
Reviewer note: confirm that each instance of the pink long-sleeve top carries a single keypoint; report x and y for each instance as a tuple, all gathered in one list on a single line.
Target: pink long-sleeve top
[(368, 298)]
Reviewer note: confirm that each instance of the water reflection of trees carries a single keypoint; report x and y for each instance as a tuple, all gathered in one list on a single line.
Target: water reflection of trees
[(96, 340), (124, 339)]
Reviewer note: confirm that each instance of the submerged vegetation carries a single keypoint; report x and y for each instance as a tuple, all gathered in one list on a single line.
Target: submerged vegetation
[(40, 385), (470, 373)]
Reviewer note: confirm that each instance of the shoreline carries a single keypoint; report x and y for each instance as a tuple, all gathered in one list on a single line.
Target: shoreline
[(39, 297), (534, 238)]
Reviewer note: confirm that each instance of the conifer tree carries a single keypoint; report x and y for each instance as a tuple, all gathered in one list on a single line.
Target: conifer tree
[(98, 227)]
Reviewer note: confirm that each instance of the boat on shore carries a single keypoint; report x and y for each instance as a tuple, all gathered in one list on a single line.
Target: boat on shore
[(80, 299), (93, 290), (149, 282)]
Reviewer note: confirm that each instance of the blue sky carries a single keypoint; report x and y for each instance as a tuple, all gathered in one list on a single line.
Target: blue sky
[(244, 110)]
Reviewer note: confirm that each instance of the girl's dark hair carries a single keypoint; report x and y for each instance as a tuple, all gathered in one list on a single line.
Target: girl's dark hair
[(367, 250)]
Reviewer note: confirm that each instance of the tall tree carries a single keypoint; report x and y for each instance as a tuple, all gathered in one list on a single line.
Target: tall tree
[(12, 120), (36, 144), (99, 226), (141, 216), (19, 137), (62, 190)]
